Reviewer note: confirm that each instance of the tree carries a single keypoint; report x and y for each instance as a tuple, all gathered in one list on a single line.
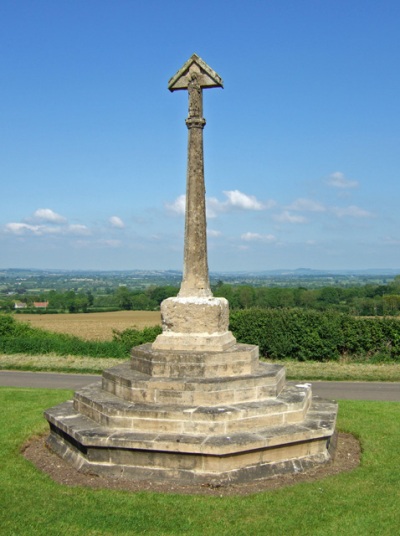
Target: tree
[(90, 298), (159, 294), (123, 298), (330, 295), (246, 296), (391, 304)]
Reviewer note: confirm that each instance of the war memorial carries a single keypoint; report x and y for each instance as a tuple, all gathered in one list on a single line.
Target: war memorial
[(195, 406)]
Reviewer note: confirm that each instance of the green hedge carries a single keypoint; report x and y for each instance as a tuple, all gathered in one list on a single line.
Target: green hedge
[(320, 336), (280, 333), (133, 337), (18, 337)]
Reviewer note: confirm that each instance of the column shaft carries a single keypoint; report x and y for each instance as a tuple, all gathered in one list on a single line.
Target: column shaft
[(195, 280)]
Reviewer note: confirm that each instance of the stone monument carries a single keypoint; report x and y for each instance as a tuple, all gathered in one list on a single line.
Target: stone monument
[(194, 406), (195, 320)]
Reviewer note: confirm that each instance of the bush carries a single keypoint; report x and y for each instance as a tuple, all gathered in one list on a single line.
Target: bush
[(320, 336), (280, 333), (9, 327), (133, 337), (17, 337)]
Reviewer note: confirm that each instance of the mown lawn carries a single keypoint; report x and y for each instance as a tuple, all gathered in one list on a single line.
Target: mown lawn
[(364, 501)]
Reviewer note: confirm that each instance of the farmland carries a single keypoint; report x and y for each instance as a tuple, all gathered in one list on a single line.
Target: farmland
[(41, 344), (92, 326)]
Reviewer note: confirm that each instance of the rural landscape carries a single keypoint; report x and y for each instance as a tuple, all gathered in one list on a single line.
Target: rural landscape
[(200, 270), (323, 338), (350, 322)]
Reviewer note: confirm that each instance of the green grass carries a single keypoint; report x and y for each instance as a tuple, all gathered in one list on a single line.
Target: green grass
[(365, 501), (341, 371), (57, 363)]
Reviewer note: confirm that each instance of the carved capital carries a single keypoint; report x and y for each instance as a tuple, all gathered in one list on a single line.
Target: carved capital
[(195, 122)]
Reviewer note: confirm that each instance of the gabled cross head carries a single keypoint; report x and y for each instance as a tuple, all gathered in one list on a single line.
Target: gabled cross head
[(195, 67)]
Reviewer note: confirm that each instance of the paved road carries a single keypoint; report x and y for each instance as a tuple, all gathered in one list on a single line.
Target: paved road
[(46, 380), (334, 390)]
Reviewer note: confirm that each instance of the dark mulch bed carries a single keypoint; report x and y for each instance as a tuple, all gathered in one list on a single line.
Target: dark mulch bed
[(347, 458)]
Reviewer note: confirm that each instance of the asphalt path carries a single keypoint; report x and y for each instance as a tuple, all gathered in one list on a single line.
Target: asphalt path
[(386, 391)]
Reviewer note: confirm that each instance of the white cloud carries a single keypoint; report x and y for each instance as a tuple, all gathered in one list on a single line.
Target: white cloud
[(21, 228), (178, 206), (77, 229), (43, 221), (287, 217), (40, 230), (116, 222), (353, 211), (213, 233), (257, 237), (243, 201), (25, 228), (338, 180), (48, 215), (235, 200), (307, 205)]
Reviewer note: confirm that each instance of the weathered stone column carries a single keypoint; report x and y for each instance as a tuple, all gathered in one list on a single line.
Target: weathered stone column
[(195, 320), (195, 280)]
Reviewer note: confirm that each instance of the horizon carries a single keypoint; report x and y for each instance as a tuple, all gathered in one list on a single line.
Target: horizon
[(301, 146), (278, 271)]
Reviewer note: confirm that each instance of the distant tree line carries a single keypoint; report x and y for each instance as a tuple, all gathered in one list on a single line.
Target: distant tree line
[(73, 301), (366, 300)]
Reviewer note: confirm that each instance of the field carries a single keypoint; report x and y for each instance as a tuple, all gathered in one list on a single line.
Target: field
[(99, 326), (92, 326)]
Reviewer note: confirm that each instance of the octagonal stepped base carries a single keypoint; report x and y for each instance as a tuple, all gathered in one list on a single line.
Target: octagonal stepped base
[(195, 458), (265, 381), (104, 408), (238, 360), (230, 418)]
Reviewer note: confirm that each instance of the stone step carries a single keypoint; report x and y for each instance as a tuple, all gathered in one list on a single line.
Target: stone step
[(240, 359), (240, 456), (105, 408), (266, 381), (68, 422)]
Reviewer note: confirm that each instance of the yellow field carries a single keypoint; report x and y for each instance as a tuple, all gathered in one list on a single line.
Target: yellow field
[(93, 326)]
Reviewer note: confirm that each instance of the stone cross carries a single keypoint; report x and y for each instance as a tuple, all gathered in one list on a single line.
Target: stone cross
[(195, 321), (193, 77)]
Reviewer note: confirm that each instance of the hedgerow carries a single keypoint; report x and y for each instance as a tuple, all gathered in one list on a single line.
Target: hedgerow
[(298, 334), (133, 337), (319, 336), (18, 337)]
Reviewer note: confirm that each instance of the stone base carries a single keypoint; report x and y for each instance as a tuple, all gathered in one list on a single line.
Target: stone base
[(195, 324), (198, 342), (230, 418), (238, 360), (239, 457)]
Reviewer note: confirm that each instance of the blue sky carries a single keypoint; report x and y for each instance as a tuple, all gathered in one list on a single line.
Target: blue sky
[(302, 159)]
